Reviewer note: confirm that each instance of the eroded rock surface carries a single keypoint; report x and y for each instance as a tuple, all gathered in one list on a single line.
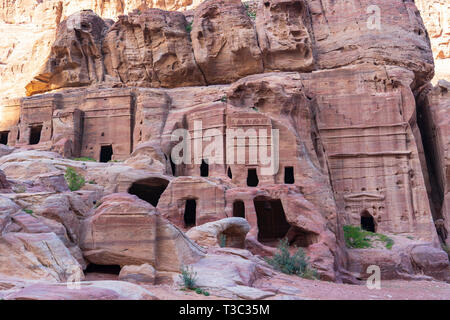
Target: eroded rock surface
[(344, 106)]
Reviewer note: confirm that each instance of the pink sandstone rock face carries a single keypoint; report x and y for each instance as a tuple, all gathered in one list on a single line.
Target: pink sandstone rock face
[(435, 120), (346, 106), (224, 41), (151, 49)]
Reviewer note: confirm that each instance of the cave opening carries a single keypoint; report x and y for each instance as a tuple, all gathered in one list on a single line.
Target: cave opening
[(230, 175), (106, 153), (367, 222), (289, 175), (35, 134), (4, 137), (271, 220), (239, 209), (252, 178), (204, 169), (149, 190), (190, 213)]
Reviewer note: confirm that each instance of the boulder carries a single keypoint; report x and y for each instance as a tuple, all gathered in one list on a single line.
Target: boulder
[(125, 230), (121, 231), (144, 273), (228, 232), (4, 184), (39, 256), (7, 208)]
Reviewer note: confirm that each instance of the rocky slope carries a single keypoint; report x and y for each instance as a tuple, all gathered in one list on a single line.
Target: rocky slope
[(363, 141)]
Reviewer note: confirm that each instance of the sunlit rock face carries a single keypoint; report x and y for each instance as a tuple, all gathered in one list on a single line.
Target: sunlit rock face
[(436, 18), (76, 55)]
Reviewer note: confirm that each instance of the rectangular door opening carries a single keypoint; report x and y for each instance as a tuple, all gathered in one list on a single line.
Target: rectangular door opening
[(35, 134), (4, 137), (106, 153)]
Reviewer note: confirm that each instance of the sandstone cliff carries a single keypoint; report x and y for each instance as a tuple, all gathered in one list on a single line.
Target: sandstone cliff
[(363, 141)]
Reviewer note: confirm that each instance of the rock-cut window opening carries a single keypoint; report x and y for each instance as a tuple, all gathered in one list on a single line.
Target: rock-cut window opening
[(252, 178), (204, 169), (239, 209), (289, 175), (4, 137)]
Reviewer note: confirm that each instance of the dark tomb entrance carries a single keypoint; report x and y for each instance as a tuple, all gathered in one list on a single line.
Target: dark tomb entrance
[(4, 137), (190, 212), (239, 209), (204, 169), (289, 175), (35, 134), (367, 222), (252, 178), (106, 153), (272, 223), (149, 190)]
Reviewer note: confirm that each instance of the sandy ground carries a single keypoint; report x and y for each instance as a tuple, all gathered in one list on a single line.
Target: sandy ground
[(293, 287)]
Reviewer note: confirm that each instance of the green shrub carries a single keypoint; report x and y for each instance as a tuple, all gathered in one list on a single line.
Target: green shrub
[(224, 99), (84, 159), (74, 180), (28, 211), (360, 239), (189, 27), (98, 204), (250, 12), (222, 240), (297, 263), (189, 277)]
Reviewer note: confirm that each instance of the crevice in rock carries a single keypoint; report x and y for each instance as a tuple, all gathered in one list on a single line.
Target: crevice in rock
[(434, 171)]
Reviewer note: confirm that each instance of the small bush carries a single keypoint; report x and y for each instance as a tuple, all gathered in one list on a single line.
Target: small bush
[(28, 211), (297, 263), (74, 180), (189, 277), (222, 240), (189, 27), (84, 159), (98, 204), (224, 99), (250, 12), (19, 189), (361, 239)]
